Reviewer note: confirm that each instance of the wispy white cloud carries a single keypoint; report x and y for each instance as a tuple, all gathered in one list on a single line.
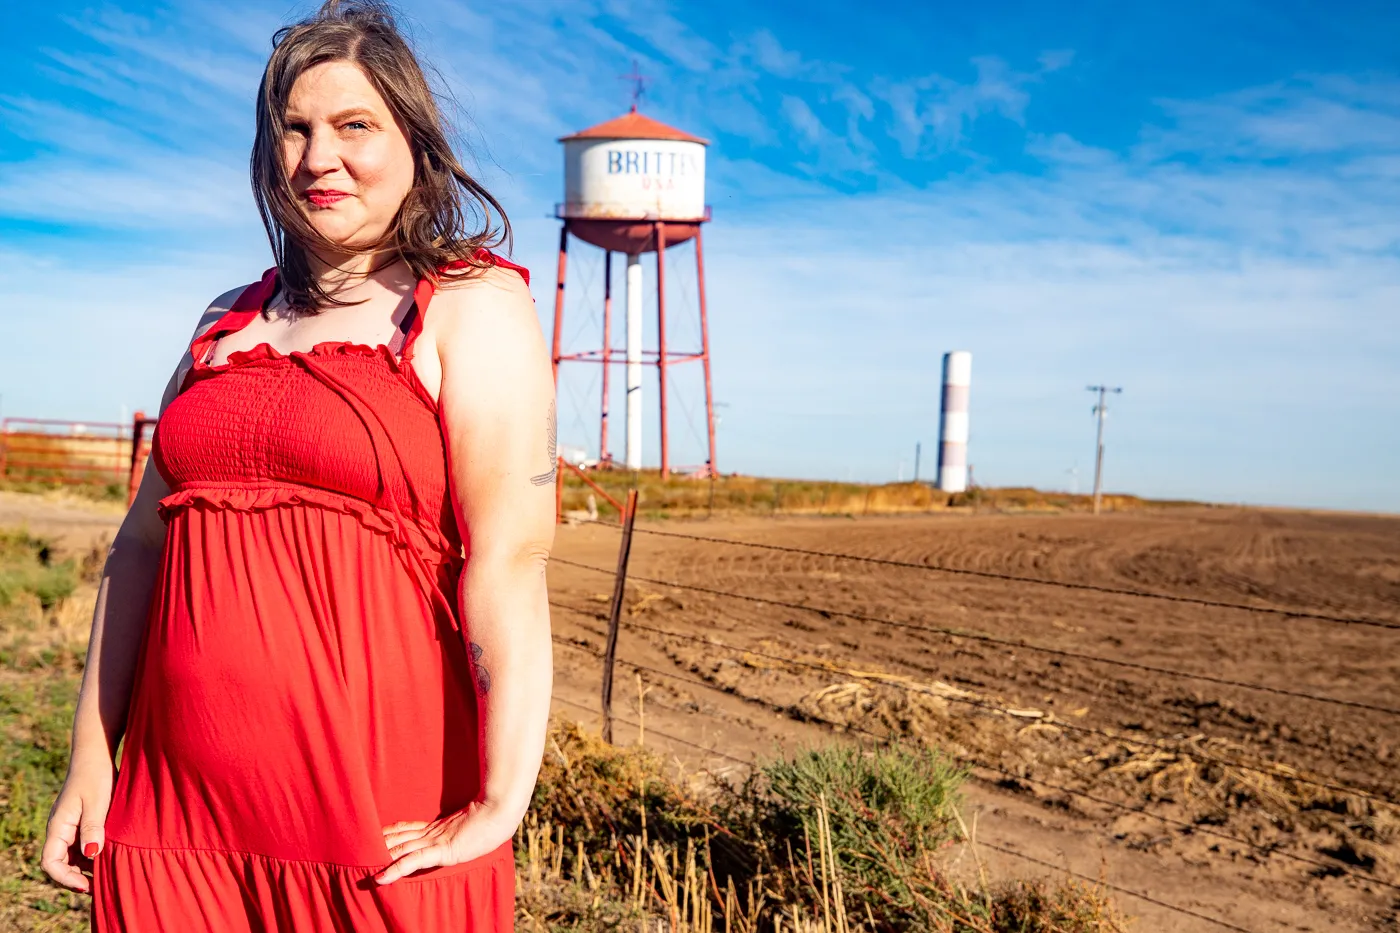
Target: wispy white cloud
[(799, 114), (1312, 115), (1055, 59), (933, 112), (92, 171)]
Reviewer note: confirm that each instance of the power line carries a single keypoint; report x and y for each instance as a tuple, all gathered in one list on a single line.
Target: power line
[(1012, 578), (1007, 642)]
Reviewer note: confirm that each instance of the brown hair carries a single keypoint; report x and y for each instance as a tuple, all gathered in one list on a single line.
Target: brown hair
[(447, 215)]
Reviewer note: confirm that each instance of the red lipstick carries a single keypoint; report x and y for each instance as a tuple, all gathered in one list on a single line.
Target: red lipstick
[(325, 197)]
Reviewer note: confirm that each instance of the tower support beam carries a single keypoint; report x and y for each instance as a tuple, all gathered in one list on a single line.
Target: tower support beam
[(634, 362), (661, 342)]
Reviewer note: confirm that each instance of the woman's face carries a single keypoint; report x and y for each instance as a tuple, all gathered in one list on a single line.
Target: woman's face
[(346, 154)]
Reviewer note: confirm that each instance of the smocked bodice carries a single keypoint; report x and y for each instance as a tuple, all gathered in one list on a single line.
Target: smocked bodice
[(344, 419)]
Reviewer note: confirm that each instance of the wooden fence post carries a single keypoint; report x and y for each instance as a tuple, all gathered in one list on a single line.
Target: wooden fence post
[(629, 516)]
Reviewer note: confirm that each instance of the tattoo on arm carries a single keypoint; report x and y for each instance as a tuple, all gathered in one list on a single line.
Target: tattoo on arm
[(483, 677), (551, 427)]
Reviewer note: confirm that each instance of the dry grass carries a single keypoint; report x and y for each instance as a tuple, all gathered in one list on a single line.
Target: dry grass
[(836, 839), (681, 497)]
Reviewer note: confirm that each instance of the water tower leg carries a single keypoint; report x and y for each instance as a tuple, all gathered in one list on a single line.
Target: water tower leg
[(634, 362), (705, 350), (607, 352), (661, 340), (559, 300)]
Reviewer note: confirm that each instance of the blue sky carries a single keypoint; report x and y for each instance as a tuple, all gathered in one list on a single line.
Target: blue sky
[(1199, 202)]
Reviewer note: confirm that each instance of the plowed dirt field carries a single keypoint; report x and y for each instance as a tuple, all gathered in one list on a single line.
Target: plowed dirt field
[(1263, 802)]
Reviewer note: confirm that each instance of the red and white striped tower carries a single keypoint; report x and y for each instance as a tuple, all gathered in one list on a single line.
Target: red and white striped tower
[(636, 186), (953, 427)]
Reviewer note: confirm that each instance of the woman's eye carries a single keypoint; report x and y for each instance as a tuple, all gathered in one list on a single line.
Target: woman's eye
[(357, 125)]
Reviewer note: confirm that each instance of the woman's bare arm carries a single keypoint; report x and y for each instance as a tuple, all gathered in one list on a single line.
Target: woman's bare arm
[(497, 410), (118, 623)]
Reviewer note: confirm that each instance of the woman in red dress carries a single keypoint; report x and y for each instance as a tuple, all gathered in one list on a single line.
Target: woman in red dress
[(323, 629)]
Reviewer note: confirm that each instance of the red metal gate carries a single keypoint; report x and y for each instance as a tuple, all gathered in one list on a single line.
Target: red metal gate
[(97, 453)]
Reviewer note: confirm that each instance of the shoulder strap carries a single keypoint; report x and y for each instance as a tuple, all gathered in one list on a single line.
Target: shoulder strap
[(401, 344), (506, 264), (412, 324), (250, 303)]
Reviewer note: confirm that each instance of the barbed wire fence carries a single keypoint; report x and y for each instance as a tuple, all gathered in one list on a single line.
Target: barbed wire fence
[(608, 658)]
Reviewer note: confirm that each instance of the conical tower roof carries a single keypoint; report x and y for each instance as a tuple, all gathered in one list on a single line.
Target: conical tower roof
[(634, 125)]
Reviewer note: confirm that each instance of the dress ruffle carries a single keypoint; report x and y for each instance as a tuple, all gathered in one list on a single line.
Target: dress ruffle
[(326, 349), (265, 351), (203, 889), (429, 541)]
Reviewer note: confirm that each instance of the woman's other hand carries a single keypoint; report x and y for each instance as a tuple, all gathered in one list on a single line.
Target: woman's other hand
[(456, 838), (76, 823)]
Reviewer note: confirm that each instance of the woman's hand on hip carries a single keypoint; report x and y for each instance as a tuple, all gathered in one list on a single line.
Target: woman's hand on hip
[(456, 838), (75, 831)]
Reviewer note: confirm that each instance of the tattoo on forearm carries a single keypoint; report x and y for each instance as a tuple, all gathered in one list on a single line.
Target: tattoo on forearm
[(479, 672), (551, 428)]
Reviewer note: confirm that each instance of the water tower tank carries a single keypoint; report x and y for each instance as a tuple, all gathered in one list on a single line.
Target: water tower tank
[(624, 175)]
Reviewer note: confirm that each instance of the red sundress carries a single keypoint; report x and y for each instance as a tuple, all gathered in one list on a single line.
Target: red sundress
[(303, 680)]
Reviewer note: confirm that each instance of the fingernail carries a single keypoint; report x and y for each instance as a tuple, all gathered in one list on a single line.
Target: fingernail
[(90, 850)]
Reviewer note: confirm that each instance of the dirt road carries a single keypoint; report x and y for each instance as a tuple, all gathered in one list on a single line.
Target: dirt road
[(76, 524)]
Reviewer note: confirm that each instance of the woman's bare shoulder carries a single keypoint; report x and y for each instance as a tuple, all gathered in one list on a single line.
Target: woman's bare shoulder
[(207, 318), (217, 309), (484, 284), (493, 298)]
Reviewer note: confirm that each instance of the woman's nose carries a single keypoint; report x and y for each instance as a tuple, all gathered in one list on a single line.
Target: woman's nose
[(322, 152)]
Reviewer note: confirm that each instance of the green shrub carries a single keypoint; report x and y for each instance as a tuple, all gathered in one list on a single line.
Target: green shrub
[(888, 808), (27, 566)]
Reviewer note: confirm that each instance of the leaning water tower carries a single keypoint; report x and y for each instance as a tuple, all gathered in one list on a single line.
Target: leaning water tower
[(636, 186)]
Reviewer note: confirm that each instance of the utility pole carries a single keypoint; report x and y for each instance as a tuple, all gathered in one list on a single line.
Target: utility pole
[(1101, 410), (918, 445)]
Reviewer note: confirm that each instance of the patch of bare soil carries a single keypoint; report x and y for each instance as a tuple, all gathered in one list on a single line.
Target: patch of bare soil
[(1268, 811)]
